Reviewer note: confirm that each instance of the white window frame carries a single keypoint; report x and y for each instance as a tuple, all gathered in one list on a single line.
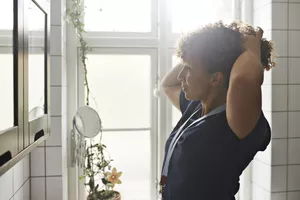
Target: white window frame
[(160, 43)]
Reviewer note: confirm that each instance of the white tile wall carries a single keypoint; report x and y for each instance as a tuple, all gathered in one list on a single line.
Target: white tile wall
[(38, 188), (53, 161), (280, 42), (293, 151), (6, 185), (294, 97), (279, 98), (278, 196), (258, 193), (56, 70), (279, 73), (294, 10), (37, 166), (279, 15), (56, 47), (293, 177), (54, 188), (56, 132), (294, 125), (294, 43), (24, 192), (279, 151), (56, 101), (279, 124), (279, 178), (294, 70), (293, 195), (261, 174)]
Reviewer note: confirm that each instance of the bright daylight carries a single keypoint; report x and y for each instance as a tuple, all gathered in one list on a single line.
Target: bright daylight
[(149, 100)]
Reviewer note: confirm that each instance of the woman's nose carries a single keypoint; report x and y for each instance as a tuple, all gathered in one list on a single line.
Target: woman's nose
[(180, 76)]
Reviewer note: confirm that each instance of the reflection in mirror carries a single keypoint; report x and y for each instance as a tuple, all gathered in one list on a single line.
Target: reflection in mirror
[(87, 122), (36, 59), (7, 65)]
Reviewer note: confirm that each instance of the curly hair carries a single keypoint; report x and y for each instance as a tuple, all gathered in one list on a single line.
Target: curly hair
[(217, 47)]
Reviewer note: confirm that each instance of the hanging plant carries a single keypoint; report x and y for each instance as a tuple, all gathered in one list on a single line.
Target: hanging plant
[(97, 164)]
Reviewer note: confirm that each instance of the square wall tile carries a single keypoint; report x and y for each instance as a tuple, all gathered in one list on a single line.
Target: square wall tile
[(261, 174), (56, 45), (294, 15), (7, 185), (260, 3), (37, 160), (294, 43), (54, 188), (294, 125), (293, 177), (294, 98), (26, 166), (24, 192), (56, 101), (279, 181), (294, 1), (279, 73), (279, 151), (56, 128), (56, 70), (18, 175), (279, 125), (279, 97), (266, 97), (293, 151), (293, 195), (267, 77), (265, 156), (38, 188), (258, 193), (278, 196), (280, 39), (53, 161), (56, 12), (279, 15), (294, 70)]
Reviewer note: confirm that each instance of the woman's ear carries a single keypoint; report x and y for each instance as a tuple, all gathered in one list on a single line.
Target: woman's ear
[(217, 78)]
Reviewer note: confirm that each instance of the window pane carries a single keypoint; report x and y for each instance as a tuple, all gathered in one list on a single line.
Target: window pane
[(36, 62), (7, 65), (118, 15), (190, 14), (120, 89), (130, 152), (176, 114)]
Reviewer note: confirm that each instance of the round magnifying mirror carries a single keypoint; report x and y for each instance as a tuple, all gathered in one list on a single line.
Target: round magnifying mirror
[(87, 122)]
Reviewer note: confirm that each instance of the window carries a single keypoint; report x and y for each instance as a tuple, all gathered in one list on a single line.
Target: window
[(190, 14), (24, 79), (118, 15), (131, 45), (126, 114)]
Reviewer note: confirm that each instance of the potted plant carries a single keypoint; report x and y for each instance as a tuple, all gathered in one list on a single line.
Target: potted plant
[(100, 178)]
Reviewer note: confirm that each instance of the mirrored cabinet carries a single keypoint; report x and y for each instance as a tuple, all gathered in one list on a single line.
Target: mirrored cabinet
[(25, 78)]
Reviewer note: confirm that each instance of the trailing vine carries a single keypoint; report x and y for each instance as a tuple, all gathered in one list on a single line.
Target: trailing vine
[(75, 15)]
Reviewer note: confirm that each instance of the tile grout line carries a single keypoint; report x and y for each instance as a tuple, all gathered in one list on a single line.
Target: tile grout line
[(287, 146)]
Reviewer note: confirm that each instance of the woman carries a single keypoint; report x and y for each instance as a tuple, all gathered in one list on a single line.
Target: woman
[(217, 87)]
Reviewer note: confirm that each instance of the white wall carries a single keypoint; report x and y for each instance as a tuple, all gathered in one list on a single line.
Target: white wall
[(49, 161), (15, 183), (276, 172)]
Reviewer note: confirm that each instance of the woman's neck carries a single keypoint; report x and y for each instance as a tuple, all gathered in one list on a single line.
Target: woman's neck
[(213, 102)]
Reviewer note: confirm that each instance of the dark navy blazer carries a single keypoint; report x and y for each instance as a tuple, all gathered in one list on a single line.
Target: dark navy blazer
[(209, 158)]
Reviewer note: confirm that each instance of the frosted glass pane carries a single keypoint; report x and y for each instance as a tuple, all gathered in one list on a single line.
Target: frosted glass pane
[(36, 62), (6, 15), (7, 65), (190, 14), (118, 15), (6, 91), (131, 154), (120, 89)]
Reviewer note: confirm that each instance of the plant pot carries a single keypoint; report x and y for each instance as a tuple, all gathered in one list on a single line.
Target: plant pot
[(117, 197)]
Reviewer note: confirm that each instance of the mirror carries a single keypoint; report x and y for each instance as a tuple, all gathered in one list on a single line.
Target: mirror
[(87, 122)]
